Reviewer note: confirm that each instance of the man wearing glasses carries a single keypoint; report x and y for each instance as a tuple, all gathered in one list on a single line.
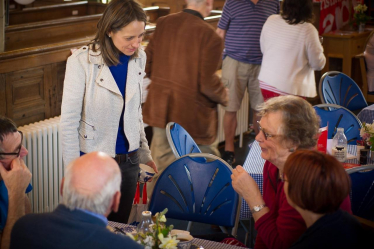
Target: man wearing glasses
[(14, 179)]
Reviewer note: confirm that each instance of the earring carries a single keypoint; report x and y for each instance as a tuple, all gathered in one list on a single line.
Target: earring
[(291, 150), (109, 36)]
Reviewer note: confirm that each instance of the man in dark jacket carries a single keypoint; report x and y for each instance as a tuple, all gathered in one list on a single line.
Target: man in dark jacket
[(183, 56), (90, 191)]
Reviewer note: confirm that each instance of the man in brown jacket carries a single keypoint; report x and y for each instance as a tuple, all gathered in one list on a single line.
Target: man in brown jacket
[(182, 58)]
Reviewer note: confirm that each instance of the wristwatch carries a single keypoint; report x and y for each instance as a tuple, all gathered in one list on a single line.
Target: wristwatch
[(257, 208)]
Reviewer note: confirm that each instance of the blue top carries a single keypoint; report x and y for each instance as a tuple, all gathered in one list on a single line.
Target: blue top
[(119, 73), (243, 21), (4, 203)]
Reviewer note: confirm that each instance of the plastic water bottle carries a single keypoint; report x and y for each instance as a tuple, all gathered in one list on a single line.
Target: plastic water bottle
[(145, 225), (339, 145)]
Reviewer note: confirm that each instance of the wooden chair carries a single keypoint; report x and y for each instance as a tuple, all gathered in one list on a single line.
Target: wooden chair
[(363, 67)]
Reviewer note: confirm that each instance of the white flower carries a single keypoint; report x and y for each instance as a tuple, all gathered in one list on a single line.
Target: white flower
[(168, 242), (360, 8), (160, 219), (149, 241)]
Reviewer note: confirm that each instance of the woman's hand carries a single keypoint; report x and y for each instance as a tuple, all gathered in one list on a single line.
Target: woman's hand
[(152, 165), (246, 186)]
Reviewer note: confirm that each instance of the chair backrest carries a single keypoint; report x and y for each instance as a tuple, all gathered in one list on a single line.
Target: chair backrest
[(339, 89), (362, 191), (180, 141), (198, 191), (341, 117)]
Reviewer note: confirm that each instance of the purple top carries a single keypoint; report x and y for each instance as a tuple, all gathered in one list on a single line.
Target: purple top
[(243, 21)]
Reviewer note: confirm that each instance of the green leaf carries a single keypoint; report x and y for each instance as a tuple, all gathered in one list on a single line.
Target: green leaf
[(165, 232), (372, 143)]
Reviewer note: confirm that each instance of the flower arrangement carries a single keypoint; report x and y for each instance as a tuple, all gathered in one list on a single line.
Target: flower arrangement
[(367, 134), (359, 16), (158, 235)]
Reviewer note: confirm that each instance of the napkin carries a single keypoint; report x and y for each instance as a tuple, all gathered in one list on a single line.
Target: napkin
[(176, 231)]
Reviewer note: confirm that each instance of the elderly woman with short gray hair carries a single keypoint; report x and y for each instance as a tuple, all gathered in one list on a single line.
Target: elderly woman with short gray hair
[(288, 123)]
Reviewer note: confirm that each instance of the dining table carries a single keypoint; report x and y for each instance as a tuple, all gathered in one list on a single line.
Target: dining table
[(254, 165), (200, 243)]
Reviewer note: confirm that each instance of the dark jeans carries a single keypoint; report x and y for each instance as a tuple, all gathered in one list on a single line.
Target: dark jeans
[(129, 171)]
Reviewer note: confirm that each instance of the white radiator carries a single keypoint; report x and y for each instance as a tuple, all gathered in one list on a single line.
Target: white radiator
[(242, 117), (44, 160)]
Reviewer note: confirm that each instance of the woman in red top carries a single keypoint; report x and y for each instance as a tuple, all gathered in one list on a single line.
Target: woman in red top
[(287, 123)]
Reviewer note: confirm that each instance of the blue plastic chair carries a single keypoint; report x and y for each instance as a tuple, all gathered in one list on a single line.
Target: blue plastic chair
[(362, 191), (198, 191), (341, 117), (180, 141), (339, 89)]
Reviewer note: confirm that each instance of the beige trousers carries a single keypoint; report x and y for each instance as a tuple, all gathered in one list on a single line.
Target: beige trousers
[(163, 155)]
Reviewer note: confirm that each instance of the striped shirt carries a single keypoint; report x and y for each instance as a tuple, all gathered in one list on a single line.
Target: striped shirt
[(243, 21)]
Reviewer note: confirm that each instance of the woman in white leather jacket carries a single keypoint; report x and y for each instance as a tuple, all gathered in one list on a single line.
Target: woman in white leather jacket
[(101, 106)]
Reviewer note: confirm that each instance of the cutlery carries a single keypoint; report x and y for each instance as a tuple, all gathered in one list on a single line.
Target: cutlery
[(119, 230)]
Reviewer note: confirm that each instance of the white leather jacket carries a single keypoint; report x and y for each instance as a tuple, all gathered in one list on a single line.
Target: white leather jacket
[(92, 106)]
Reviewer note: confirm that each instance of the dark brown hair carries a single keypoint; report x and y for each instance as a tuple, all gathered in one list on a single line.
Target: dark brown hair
[(297, 11), (118, 14), (300, 123), (6, 126), (316, 182)]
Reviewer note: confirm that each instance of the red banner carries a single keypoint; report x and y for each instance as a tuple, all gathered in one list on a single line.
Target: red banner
[(335, 14)]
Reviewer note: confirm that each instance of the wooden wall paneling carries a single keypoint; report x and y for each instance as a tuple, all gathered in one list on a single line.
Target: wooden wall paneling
[(55, 31), (25, 16), (56, 11), (11, 61), (48, 88), (26, 97), (218, 4), (2, 95), (95, 8), (2, 25), (48, 32), (59, 73), (154, 14), (178, 5)]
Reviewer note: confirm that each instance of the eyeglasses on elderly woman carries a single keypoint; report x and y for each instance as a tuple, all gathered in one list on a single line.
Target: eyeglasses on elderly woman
[(267, 135), (18, 149)]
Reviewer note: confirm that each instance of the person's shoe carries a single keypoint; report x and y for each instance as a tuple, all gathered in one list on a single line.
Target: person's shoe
[(229, 157)]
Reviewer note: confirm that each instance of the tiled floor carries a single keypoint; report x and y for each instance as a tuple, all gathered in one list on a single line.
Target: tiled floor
[(199, 229)]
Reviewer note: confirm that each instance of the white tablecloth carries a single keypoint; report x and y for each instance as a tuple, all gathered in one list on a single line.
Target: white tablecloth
[(254, 165), (199, 242)]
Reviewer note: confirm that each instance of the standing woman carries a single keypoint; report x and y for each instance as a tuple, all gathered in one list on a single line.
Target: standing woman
[(101, 106), (291, 51)]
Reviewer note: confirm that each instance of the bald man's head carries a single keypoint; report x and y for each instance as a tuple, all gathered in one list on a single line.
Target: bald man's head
[(91, 183)]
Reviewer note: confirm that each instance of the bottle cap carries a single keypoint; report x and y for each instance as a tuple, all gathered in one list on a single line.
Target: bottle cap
[(340, 129), (146, 213)]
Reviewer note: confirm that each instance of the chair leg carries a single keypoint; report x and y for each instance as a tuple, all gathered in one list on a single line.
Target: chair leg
[(246, 232), (223, 229), (189, 225), (251, 232), (241, 140)]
